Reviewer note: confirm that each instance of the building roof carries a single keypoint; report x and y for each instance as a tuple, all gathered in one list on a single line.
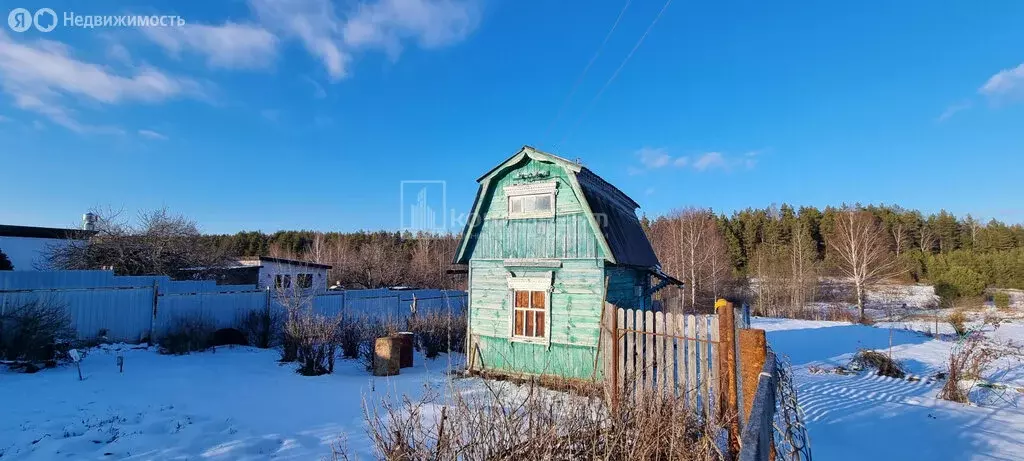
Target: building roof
[(294, 262), (44, 232), (611, 212), (257, 262)]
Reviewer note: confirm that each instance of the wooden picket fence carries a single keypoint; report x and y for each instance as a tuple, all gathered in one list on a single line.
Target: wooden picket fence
[(661, 354)]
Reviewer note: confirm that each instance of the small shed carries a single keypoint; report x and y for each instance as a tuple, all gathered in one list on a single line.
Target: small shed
[(547, 244)]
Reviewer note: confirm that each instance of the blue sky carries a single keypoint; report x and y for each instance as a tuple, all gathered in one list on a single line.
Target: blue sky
[(308, 114)]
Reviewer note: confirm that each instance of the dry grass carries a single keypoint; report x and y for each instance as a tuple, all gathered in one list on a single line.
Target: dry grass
[(833, 313), (958, 320), (884, 364), (505, 422), (967, 361)]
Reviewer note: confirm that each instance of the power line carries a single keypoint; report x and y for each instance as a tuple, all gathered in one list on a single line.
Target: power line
[(616, 73), (576, 84)]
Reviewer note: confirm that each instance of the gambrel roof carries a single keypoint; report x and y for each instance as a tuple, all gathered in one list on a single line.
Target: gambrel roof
[(610, 211)]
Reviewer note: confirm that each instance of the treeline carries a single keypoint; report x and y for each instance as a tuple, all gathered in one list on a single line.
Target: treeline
[(784, 251), (358, 259)]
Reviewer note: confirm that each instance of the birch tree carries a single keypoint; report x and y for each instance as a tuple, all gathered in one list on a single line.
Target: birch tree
[(860, 251)]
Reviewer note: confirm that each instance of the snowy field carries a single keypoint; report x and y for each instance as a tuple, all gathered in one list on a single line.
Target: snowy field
[(870, 417), (236, 403), (239, 403)]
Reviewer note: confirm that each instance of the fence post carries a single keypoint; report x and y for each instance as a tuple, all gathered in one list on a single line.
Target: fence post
[(728, 405), (152, 320), (613, 319), (754, 350)]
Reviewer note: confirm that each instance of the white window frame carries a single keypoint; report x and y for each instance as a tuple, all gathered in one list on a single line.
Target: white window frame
[(540, 282), (546, 188)]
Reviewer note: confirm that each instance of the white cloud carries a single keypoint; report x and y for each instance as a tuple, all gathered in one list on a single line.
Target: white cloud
[(658, 158), (318, 90), (150, 134), (227, 46), (1008, 84), (379, 25), (653, 158), (42, 76), (117, 52), (709, 160), (952, 110), (432, 23)]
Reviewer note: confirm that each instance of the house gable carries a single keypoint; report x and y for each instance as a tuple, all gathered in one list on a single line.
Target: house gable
[(572, 232)]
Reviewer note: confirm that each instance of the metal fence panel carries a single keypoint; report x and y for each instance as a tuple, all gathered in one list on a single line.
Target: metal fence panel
[(125, 314), (223, 310)]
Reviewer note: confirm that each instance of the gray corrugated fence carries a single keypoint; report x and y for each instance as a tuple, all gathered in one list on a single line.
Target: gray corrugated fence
[(131, 308)]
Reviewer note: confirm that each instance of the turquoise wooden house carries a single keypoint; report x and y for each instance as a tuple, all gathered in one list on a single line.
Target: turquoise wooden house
[(547, 244)]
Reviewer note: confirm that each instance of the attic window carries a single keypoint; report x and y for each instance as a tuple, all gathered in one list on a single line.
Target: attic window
[(535, 200)]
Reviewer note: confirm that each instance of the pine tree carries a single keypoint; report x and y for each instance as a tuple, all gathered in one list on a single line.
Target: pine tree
[(5, 263)]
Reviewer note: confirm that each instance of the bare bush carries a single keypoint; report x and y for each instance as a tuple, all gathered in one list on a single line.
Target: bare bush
[(506, 422), (350, 336), (968, 361), (315, 339), (32, 331), (262, 327), (958, 320), (437, 333), (884, 364), (187, 334)]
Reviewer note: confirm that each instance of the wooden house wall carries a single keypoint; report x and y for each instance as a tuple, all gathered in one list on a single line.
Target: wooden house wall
[(622, 287), (568, 235)]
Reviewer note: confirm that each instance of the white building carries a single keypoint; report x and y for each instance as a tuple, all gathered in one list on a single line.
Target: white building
[(280, 273), (27, 246)]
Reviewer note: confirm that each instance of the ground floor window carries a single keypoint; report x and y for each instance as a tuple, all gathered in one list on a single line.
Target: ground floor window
[(530, 310)]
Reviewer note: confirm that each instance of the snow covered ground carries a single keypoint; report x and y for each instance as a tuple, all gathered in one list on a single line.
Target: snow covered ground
[(239, 403), (236, 403), (865, 416)]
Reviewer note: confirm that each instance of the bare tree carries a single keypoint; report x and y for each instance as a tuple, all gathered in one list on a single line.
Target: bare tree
[(860, 251), (158, 243), (690, 245), (318, 250), (803, 276)]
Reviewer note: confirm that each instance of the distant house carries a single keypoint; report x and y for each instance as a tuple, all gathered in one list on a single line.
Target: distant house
[(27, 246), (548, 244), (264, 272)]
